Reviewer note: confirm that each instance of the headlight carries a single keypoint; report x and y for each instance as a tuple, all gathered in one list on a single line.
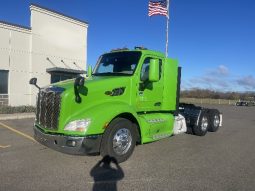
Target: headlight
[(78, 125)]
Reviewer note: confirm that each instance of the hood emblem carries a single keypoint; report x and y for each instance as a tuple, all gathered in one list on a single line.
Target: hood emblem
[(116, 91)]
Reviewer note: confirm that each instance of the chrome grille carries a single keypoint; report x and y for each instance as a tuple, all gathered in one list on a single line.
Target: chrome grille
[(48, 107)]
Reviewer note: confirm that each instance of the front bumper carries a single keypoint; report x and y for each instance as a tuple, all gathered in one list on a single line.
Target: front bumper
[(69, 144)]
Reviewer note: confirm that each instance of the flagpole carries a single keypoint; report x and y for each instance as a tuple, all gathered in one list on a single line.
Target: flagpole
[(167, 27)]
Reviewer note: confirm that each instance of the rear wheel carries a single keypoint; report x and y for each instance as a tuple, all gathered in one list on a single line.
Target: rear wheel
[(214, 120), (203, 125), (119, 139)]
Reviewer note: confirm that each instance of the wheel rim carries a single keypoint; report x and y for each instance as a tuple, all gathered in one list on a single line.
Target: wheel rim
[(204, 123), (122, 141), (216, 121)]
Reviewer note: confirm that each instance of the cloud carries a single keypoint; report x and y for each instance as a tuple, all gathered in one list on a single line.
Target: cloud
[(221, 70), (247, 81), (211, 82), (220, 79), (214, 79)]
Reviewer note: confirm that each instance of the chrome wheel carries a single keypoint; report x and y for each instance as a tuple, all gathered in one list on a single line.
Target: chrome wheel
[(204, 123), (122, 141), (216, 121)]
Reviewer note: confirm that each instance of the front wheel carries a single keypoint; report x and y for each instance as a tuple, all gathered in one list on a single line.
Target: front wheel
[(119, 139)]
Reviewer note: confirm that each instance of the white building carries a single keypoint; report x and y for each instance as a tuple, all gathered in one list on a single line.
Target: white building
[(53, 49)]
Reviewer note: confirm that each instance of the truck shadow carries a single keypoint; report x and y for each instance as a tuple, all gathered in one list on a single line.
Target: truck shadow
[(106, 174)]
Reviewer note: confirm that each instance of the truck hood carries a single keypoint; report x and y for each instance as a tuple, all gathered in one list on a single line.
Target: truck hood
[(96, 82), (96, 91)]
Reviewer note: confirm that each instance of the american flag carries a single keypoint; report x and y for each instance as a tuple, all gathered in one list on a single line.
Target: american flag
[(158, 8)]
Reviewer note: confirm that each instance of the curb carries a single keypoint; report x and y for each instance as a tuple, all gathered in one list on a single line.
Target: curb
[(17, 116)]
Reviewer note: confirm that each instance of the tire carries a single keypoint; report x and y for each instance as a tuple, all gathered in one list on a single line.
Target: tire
[(119, 128), (203, 125), (214, 120)]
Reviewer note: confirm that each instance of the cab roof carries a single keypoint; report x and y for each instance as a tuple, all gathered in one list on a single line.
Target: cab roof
[(139, 49)]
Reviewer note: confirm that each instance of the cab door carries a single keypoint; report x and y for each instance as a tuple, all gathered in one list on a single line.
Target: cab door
[(149, 94)]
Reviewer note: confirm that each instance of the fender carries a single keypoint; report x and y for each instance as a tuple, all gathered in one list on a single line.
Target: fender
[(101, 115)]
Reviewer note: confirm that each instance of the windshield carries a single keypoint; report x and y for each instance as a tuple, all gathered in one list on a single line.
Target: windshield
[(117, 63)]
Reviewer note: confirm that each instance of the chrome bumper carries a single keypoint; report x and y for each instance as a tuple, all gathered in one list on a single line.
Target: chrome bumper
[(69, 144)]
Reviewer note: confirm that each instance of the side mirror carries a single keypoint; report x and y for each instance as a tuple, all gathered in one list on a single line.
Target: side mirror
[(154, 70), (33, 81), (79, 82), (89, 72)]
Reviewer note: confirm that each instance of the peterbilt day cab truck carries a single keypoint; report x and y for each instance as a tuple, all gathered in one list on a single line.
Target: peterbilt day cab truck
[(132, 97)]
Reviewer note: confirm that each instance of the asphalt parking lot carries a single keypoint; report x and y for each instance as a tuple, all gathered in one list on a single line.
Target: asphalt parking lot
[(224, 160)]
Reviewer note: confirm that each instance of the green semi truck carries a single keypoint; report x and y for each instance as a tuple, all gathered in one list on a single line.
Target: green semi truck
[(130, 98)]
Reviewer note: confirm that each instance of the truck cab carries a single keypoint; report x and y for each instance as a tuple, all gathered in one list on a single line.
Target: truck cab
[(131, 97)]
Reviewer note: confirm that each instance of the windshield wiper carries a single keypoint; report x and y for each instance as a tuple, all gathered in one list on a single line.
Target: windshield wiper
[(102, 74), (111, 74)]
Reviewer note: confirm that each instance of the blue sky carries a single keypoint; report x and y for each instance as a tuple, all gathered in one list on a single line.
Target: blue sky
[(214, 40)]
